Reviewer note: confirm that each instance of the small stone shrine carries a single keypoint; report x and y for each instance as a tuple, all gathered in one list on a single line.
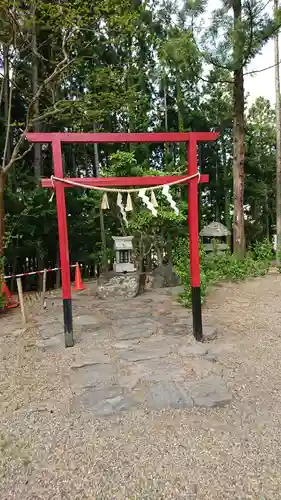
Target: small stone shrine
[(124, 280), (214, 237), (123, 247)]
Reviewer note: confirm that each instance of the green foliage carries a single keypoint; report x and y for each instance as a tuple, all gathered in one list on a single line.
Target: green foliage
[(221, 267), (232, 43), (278, 259), (132, 67)]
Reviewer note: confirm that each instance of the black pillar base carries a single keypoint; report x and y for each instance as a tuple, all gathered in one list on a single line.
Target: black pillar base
[(197, 313), (68, 326)]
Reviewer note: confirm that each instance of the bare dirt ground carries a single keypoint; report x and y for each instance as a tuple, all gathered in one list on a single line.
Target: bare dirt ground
[(136, 410)]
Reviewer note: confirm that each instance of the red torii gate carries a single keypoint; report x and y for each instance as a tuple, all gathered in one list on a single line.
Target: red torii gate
[(190, 138)]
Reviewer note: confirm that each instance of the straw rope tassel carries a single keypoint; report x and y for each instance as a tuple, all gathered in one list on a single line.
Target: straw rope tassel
[(129, 205), (153, 199), (104, 202)]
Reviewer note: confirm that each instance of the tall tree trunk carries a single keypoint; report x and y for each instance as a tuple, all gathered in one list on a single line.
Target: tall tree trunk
[(201, 163), (278, 135), (2, 215), (129, 85), (180, 122), (57, 283), (227, 218), (7, 148), (37, 147), (267, 229), (102, 229), (7, 157), (166, 145), (217, 188), (238, 145)]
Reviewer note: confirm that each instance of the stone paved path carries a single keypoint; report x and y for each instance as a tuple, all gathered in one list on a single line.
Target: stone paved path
[(144, 416), (137, 353)]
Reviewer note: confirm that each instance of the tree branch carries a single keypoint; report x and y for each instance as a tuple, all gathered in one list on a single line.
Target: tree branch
[(61, 66), (52, 112), (250, 44), (8, 127)]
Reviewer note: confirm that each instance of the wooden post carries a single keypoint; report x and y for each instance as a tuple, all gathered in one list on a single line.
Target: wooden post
[(20, 293), (44, 286)]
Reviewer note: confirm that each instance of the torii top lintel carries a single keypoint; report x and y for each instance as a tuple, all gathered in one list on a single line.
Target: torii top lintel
[(105, 137), (58, 138)]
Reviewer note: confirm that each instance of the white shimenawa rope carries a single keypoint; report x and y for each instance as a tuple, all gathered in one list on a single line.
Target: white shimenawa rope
[(130, 190), (150, 204)]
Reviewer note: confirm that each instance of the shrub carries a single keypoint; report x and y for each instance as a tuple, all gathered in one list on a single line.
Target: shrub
[(221, 266)]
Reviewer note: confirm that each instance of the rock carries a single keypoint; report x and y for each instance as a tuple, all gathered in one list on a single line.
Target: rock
[(114, 284), (209, 392), (123, 344), (158, 280), (131, 317), (165, 276), (92, 375), (128, 382), (51, 343), (144, 353), (157, 370), (209, 333), (88, 358), (51, 330), (194, 350), (88, 320), (115, 405), (104, 402), (18, 332), (168, 394), (176, 290), (221, 348), (91, 331), (93, 396), (132, 331), (177, 329), (211, 357)]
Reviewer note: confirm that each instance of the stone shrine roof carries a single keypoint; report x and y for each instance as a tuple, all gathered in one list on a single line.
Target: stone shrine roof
[(215, 229), (123, 242)]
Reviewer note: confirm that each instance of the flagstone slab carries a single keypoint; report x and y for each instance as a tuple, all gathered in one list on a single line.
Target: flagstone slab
[(209, 392), (168, 394)]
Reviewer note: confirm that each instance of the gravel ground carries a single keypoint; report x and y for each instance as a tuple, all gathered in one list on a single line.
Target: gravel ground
[(49, 452)]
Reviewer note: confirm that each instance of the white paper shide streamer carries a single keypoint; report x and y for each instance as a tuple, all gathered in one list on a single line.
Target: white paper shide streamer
[(147, 202), (122, 208), (169, 197), (104, 202), (153, 199), (129, 204)]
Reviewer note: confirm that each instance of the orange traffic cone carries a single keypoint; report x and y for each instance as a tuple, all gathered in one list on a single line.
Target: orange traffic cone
[(78, 282), (9, 303)]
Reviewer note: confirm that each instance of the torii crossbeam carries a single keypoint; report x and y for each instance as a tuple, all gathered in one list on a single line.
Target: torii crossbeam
[(190, 138)]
